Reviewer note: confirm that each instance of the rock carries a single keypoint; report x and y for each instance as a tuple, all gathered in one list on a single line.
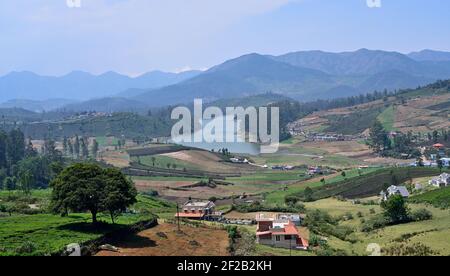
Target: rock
[(108, 247)]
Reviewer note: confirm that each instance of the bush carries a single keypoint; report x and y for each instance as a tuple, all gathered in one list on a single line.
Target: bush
[(421, 215), (213, 199), (26, 248), (416, 249), (374, 223), (232, 232), (360, 214)]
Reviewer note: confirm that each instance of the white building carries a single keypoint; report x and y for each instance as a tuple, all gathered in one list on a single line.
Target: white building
[(441, 181), (395, 190)]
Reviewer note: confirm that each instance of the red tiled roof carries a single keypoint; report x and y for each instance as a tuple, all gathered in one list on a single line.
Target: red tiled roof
[(189, 215)]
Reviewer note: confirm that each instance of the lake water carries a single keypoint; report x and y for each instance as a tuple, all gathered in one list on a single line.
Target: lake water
[(233, 147)]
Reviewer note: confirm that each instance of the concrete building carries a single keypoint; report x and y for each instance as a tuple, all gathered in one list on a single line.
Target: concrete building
[(280, 233)]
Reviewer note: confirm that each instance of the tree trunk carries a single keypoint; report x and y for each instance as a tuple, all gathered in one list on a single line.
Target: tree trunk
[(94, 217), (112, 217)]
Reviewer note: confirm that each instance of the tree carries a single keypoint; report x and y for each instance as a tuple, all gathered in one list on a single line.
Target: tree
[(153, 160), (50, 150), (26, 182), (15, 146), (76, 147), (378, 138), (344, 174), (65, 145), (308, 194), (94, 148), (84, 148), (70, 145), (9, 183), (88, 187), (396, 209), (120, 193), (3, 149), (29, 150)]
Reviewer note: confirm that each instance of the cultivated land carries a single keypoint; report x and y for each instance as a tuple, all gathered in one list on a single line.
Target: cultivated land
[(166, 240)]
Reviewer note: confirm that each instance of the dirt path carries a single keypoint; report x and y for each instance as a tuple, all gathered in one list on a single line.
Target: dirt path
[(164, 240)]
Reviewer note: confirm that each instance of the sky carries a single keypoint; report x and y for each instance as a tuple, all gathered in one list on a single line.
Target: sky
[(52, 37)]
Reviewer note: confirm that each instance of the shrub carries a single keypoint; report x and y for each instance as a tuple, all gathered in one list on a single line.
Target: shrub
[(416, 249), (360, 214), (421, 215), (374, 223), (26, 248)]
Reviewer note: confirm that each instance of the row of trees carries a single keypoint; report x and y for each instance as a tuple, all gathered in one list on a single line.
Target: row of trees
[(400, 145), (78, 148), (22, 167)]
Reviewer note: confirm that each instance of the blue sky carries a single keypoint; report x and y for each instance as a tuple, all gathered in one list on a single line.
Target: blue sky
[(136, 36)]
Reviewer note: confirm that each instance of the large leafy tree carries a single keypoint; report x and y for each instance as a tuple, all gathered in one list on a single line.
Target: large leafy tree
[(88, 187), (396, 209)]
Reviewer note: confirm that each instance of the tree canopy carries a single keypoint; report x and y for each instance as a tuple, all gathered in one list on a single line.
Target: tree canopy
[(88, 187)]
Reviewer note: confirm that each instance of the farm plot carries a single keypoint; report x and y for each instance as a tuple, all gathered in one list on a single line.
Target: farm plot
[(166, 240)]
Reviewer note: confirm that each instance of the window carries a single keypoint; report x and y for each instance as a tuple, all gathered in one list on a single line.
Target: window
[(277, 238)]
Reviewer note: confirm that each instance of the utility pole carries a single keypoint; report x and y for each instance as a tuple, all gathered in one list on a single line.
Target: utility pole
[(178, 218)]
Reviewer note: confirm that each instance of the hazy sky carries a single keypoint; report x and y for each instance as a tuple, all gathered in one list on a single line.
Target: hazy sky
[(135, 36)]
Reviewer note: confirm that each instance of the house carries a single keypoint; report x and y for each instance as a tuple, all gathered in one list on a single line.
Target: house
[(395, 190), (279, 233), (441, 181), (198, 210), (295, 218), (445, 162)]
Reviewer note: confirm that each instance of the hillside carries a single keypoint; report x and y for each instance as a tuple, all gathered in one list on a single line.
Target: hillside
[(127, 124), (303, 76), (419, 110)]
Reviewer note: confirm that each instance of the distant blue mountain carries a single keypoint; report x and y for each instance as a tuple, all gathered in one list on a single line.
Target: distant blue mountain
[(430, 55), (37, 106), (303, 76), (79, 85)]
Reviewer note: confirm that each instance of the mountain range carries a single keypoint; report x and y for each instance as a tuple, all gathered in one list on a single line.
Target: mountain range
[(304, 76), (81, 86)]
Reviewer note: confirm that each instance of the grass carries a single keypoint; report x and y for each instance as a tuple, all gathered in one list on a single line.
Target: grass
[(433, 233), (370, 184), (438, 198), (164, 161), (263, 250), (50, 233), (333, 161), (104, 141), (387, 118), (278, 197)]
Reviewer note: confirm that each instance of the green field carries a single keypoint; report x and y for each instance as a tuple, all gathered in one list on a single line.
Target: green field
[(104, 141), (370, 184), (432, 233), (164, 161), (45, 234), (387, 118), (439, 198), (279, 196)]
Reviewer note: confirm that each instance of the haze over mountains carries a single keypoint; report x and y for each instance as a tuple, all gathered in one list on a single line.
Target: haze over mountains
[(303, 76)]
